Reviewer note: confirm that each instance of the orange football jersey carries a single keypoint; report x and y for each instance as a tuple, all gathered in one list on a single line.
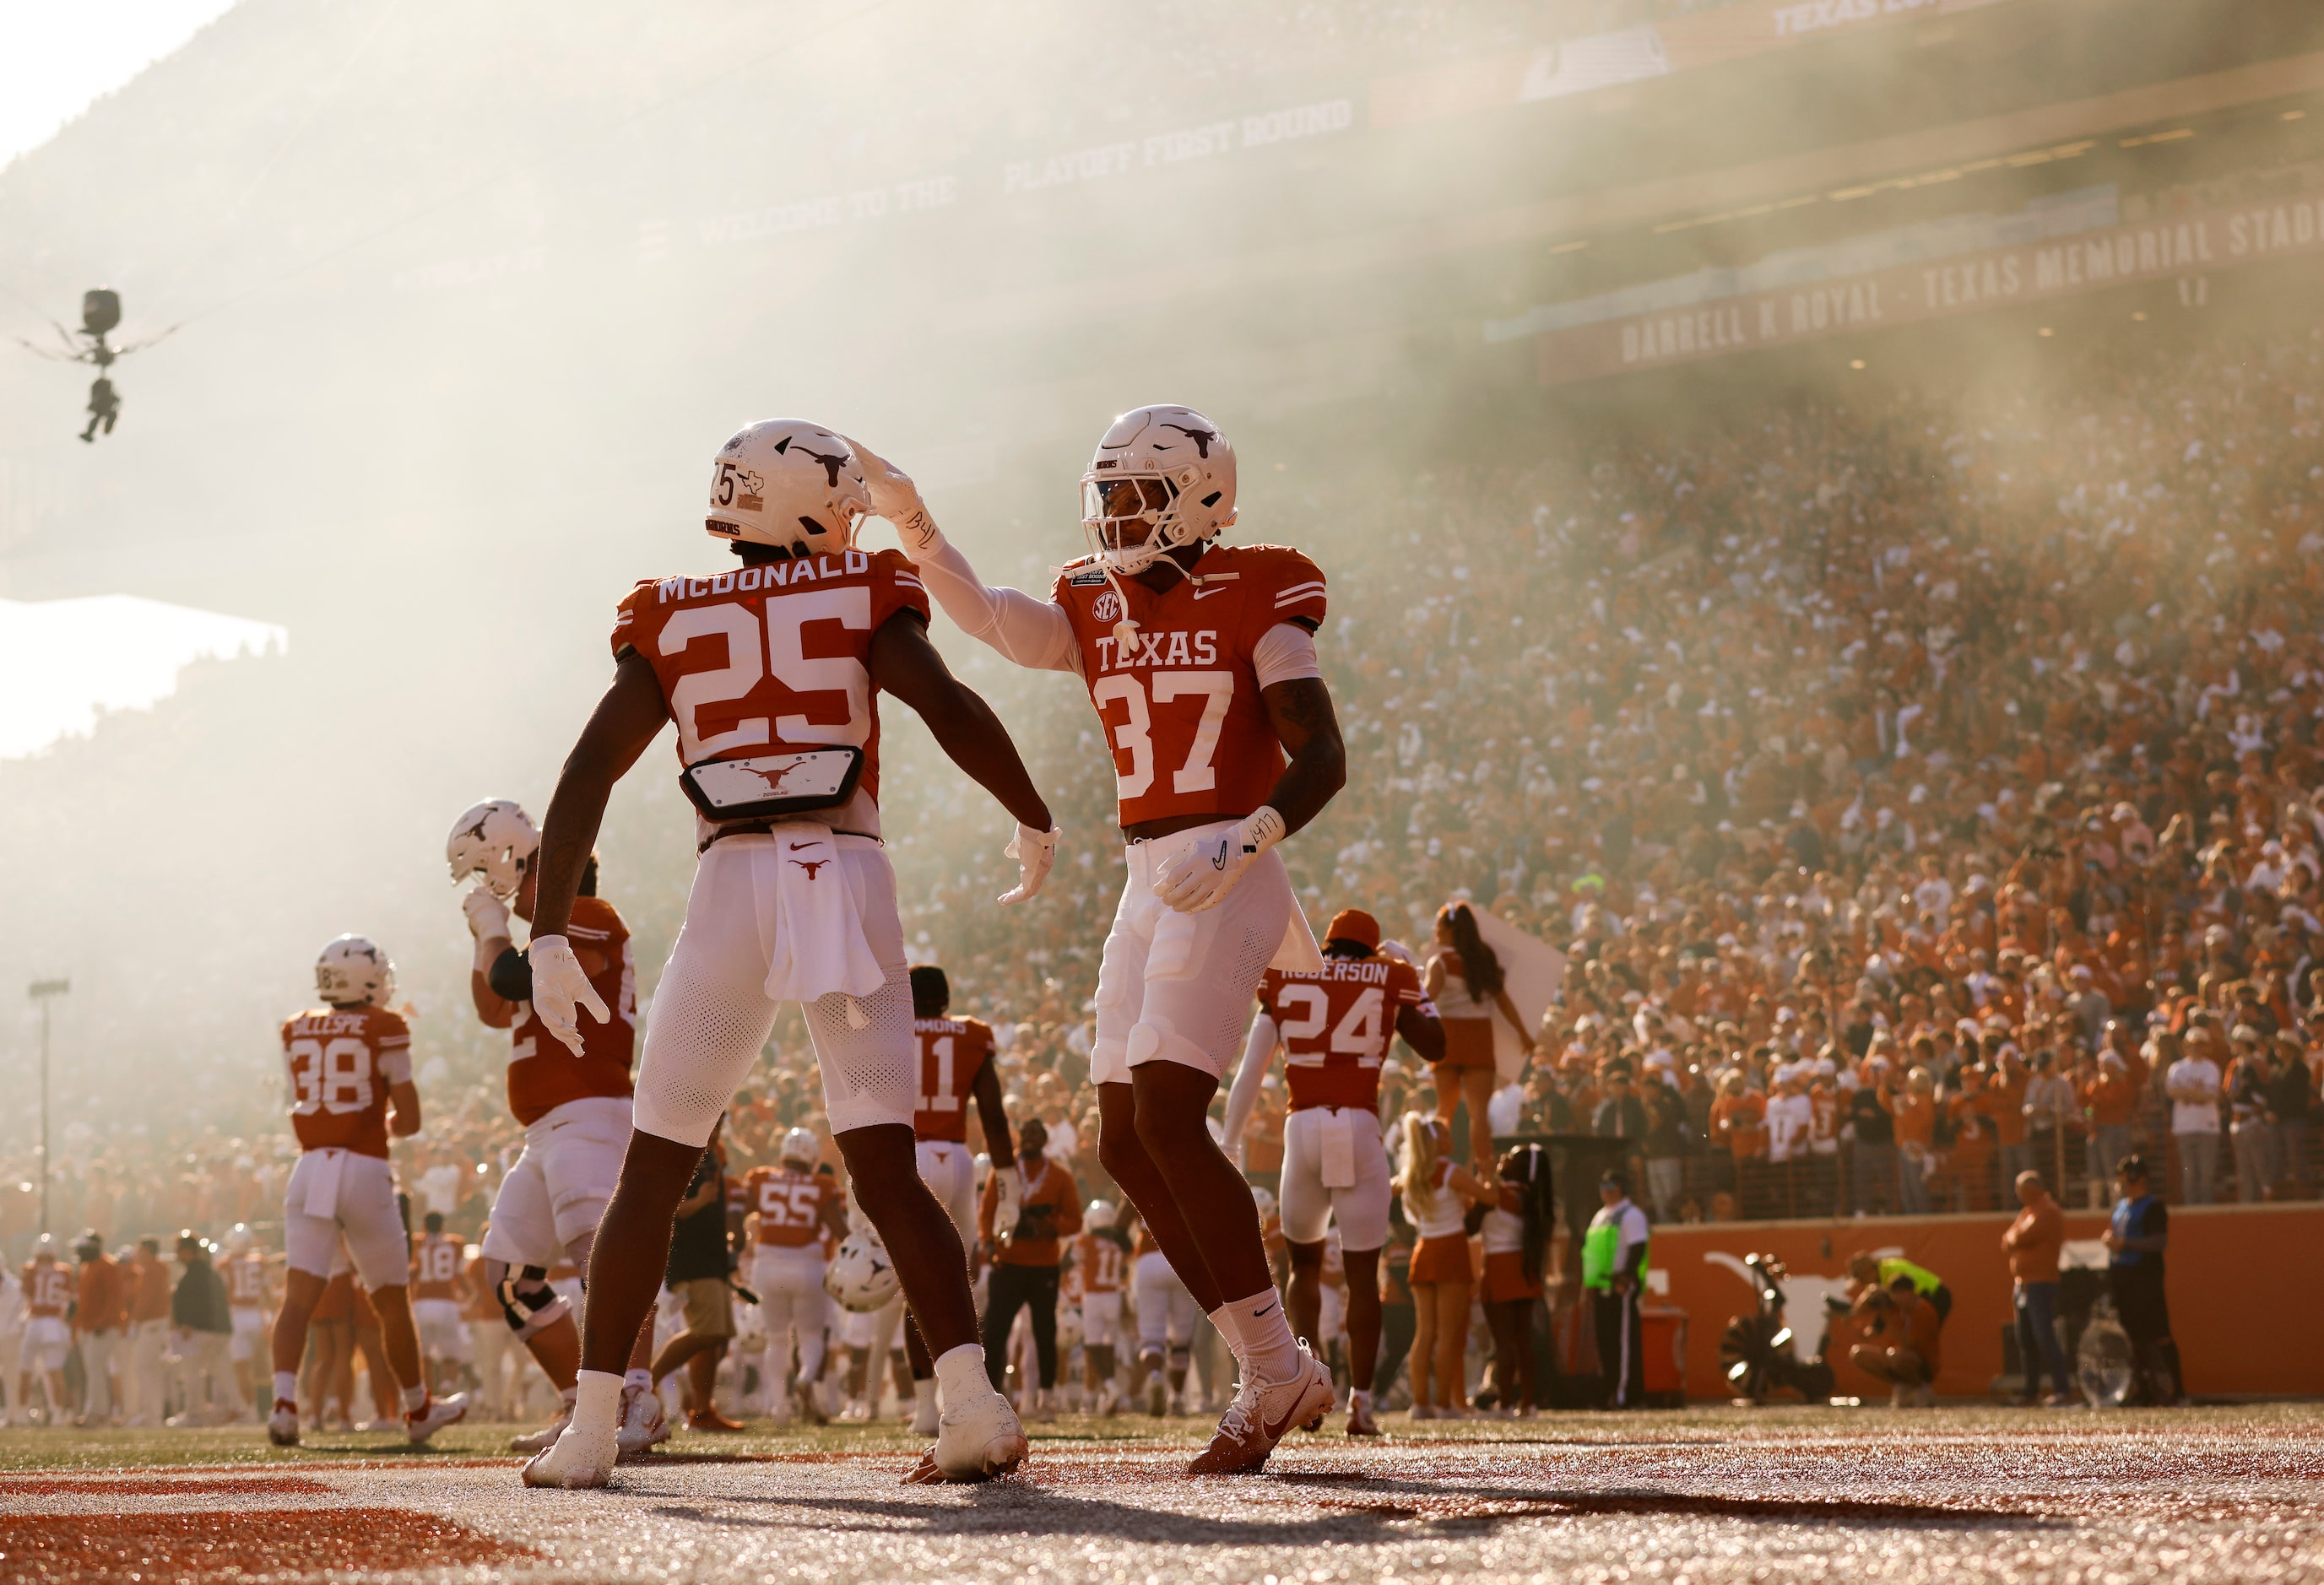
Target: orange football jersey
[(1336, 1022), (436, 1266), (246, 1281), (953, 1051), (48, 1290), (542, 1080), (759, 660), (1182, 712), (1101, 1262), (341, 1063), (789, 1205)]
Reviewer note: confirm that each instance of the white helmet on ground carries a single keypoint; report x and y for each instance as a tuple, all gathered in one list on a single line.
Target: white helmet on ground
[(351, 972), (495, 839), (861, 1277), (1163, 477), (788, 483), (800, 1145), (1099, 1217)]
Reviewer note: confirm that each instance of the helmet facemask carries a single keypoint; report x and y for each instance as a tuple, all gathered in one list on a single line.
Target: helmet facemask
[(1132, 520)]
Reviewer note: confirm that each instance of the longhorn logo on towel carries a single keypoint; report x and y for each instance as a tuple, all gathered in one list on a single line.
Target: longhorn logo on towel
[(810, 865)]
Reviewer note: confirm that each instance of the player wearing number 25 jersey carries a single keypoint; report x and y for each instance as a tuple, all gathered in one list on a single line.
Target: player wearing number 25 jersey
[(771, 671), (1200, 660)]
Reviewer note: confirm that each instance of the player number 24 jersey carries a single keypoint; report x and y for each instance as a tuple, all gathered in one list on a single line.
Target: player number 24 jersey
[(1335, 1023)]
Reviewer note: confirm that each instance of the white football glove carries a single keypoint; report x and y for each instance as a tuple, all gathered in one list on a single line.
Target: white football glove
[(895, 497), (1035, 852), (559, 986), (1198, 879), (1008, 1204), (488, 916)]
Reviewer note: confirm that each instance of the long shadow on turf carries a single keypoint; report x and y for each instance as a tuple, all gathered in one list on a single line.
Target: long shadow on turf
[(1022, 1508)]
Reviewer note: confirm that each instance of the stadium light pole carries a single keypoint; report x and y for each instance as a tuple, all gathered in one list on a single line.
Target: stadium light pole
[(46, 991)]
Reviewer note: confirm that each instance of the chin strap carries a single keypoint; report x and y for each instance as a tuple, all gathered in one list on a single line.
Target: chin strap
[(1125, 631)]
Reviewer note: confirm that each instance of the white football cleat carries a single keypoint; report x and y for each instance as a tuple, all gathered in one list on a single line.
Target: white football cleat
[(976, 1441), (541, 1442), (433, 1415), (282, 1425), (1262, 1414), (576, 1462), (644, 1422), (925, 1422)]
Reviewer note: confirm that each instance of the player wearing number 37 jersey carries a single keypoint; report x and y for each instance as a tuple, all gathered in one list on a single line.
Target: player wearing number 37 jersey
[(771, 671), (1200, 660)]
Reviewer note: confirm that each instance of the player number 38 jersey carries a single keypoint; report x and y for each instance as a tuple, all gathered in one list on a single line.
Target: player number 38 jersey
[(1335, 1023), (759, 659), (340, 1063), (1182, 708)]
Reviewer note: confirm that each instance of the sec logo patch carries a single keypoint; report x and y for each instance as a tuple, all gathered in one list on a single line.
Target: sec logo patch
[(1106, 607)]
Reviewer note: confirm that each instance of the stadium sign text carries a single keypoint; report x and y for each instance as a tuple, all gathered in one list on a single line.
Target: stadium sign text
[(2113, 255)]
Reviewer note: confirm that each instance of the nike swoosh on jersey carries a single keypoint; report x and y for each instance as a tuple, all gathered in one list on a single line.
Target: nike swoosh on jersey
[(1206, 594)]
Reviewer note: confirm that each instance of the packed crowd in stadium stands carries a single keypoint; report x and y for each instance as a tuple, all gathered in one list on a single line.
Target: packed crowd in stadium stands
[(1920, 798)]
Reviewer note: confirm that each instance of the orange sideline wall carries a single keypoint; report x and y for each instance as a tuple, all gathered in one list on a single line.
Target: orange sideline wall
[(2246, 1285)]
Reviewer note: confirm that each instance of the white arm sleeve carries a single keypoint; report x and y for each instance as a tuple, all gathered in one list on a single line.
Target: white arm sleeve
[(1285, 653), (1031, 632), (1258, 1051)]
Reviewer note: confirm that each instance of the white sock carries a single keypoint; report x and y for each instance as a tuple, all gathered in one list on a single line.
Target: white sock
[(638, 1379), (1268, 1350), (923, 1392), (960, 1376), (286, 1387), (564, 1397), (1224, 1318), (597, 1404), (415, 1398)]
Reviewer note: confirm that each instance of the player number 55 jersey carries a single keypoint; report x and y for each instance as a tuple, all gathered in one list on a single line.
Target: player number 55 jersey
[(1335, 1023), (790, 1205), (1182, 709), (340, 1065), (759, 660)]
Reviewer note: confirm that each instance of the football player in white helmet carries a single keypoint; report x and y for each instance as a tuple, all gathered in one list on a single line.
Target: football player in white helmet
[(347, 1061), (1200, 660), (782, 767), (575, 1111)]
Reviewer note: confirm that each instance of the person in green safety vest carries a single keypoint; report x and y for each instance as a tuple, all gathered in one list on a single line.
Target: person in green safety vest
[(1614, 1271), (1887, 1271)]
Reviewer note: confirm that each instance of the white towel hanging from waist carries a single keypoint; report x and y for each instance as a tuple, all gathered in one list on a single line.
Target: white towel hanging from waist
[(819, 947)]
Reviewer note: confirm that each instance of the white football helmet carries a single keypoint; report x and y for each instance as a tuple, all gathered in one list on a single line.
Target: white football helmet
[(788, 483), (801, 1146), (496, 839), (351, 972), (861, 1277), (1098, 1216), (1163, 477)]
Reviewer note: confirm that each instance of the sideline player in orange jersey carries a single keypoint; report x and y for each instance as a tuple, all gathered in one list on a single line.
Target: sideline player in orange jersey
[(1334, 1024), (1101, 1260), (49, 1289), (574, 1111), (771, 671), (795, 1207), (347, 1060), (436, 1260), (1200, 659), (955, 1065)]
